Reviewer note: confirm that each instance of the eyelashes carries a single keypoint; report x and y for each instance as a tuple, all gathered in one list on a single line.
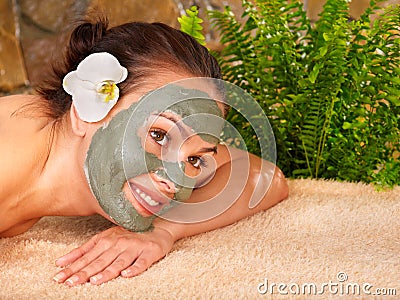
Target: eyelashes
[(159, 136), (197, 161)]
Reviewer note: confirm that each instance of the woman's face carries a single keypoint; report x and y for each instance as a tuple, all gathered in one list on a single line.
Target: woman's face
[(169, 139), (151, 156)]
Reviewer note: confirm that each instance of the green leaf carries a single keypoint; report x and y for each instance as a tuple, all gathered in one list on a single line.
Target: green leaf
[(346, 125), (323, 51), (332, 101), (326, 37), (395, 100), (190, 24)]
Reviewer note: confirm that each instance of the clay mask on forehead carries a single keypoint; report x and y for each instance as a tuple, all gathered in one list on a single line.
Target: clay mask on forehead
[(116, 154)]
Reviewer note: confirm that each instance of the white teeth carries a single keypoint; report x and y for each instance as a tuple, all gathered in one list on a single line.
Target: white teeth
[(147, 198), (151, 201)]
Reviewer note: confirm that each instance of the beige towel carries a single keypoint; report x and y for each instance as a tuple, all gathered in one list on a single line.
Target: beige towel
[(343, 234)]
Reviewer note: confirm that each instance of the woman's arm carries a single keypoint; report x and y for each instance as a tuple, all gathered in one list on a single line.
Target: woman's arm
[(238, 208), (117, 251)]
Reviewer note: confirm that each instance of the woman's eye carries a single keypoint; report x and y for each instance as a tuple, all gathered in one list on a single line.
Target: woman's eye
[(195, 161), (159, 136)]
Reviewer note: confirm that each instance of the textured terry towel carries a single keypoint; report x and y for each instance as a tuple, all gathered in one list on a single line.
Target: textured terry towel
[(326, 231)]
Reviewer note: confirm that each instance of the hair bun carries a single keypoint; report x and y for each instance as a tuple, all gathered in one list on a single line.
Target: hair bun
[(83, 39)]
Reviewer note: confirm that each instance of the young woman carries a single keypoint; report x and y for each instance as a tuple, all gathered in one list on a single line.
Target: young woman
[(50, 157)]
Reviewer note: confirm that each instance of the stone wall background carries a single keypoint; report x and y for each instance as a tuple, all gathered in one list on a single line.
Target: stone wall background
[(33, 32)]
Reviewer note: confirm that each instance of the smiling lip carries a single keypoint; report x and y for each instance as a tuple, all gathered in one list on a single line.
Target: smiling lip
[(151, 201)]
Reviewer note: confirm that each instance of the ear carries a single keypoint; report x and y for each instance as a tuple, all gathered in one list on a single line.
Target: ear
[(79, 127)]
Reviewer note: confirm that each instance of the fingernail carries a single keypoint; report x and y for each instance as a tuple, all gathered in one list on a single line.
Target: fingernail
[(59, 277), (96, 278), (126, 272), (72, 280)]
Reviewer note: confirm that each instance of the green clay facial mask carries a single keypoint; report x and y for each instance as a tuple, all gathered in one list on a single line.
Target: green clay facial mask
[(147, 159)]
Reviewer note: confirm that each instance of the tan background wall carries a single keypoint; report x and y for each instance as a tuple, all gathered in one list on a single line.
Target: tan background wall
[(32, 32), (357, 7)]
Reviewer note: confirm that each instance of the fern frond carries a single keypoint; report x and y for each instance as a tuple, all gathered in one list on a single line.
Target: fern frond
[(331, 90), (190, 24), (238, 45)]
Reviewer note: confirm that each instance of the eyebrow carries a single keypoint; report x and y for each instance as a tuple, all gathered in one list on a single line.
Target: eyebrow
[(181, 129), (175, 121), (208, 149)]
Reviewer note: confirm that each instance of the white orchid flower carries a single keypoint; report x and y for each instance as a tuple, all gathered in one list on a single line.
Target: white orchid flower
[(93, 86)]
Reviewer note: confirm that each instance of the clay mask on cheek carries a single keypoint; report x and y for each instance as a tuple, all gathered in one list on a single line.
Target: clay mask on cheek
[(116, 154)]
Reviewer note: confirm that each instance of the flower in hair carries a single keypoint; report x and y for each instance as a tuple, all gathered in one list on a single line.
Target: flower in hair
[(93, 85)]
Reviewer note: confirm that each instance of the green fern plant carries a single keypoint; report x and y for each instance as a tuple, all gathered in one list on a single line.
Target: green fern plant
[(331, 89), (190, 24)]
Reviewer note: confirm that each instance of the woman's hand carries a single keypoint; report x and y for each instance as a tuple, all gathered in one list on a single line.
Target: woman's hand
[(112, 253)]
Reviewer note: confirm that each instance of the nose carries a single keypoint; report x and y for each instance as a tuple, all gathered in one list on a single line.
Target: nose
[(164, 185)]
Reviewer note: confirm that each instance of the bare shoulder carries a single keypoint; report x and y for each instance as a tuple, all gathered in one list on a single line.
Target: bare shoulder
[(21, 112), (261, 171), (13, 100), (20, 151), (9, 105), (20, 139)]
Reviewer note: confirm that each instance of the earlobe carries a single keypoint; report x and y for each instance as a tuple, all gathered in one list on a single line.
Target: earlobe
[(79, 127)]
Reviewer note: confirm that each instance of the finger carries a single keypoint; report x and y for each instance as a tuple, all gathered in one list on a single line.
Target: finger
[(114, 269), (69, 273), (84, 256), (76, 253), (94, 267), (142, 263)]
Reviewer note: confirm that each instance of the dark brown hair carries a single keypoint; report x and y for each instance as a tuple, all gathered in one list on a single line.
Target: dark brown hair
[(143, 48)]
